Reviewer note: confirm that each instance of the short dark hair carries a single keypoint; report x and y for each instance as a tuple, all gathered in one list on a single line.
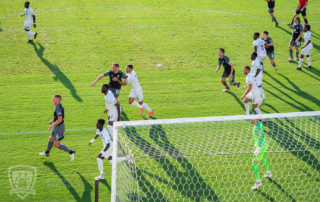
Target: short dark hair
[(130, 66), (222, 50), (254, 54), (27, 2), (57, 96), (257, 34), (266, 32), (308, 27), (101, 121), (105, 86), (116, 64), (247, 67), (298, 19)]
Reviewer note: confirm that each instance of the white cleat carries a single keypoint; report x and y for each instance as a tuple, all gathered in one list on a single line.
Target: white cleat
[(257, 185), (72, 155), (268, 175), (100, 177), (43, 154)]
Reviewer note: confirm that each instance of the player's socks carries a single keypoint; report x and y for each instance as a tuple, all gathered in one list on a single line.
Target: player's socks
[(29, 35), (100, 165), (275, 67), (32, 32), (49, 147), (309, 61), (145, 106), (64, 148), (266, 164), (274, 19), (262, 93), (291, 53), (247, 107), (300, 62), (225, 84), (256, 171), (258, 110), (297, 55), (306, 21), (110, 128), (136, 104)]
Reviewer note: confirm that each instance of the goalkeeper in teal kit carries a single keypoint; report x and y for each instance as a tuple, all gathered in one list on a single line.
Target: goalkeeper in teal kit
[(260, 153)]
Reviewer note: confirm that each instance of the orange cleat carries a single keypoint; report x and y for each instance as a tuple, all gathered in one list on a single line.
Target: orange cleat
[(150, 113), (141, 110)]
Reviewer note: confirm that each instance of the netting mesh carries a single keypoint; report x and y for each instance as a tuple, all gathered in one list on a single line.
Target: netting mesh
[(211, 161)]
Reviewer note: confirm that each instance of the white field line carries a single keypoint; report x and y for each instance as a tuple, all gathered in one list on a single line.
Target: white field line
[(37, 132)]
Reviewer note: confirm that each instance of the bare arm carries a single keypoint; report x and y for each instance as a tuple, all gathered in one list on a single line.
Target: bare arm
[(122, 83), (306, 44), (302, 9), (56, 123), (218, 68), (299, 37), (255, 49), (95, 81), (231, 73), (93, 139), (34, 21), (258, 71), (106, 147), (247, 91), (118, 109)]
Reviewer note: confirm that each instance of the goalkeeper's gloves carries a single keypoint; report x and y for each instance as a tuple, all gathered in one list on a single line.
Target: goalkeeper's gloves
[(256, 153)]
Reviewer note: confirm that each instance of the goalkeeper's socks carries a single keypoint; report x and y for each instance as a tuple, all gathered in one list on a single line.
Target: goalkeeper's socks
[(266, 164), (256, 171)]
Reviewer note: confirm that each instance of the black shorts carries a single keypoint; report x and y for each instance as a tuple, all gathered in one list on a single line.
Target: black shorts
[(226, 74), (116, 92), (304, 12), (271, 54), (271, 6), (58, 132)]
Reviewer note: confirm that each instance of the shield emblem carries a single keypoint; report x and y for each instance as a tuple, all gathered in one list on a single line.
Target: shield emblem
[(22, 179)]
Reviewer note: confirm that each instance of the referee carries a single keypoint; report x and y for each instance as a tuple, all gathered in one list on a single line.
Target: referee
[(301, 8)]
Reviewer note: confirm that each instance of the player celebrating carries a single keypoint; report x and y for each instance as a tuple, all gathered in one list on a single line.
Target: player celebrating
[(301, 8), (260, 153), (112, 105), (306, 49), (136, 90), (30, 20), (258, 47), (271, 4), (296, 38), (107, 149), (252, 93), (114, 73), (269, 48), (57, 123), (228, 70), (257, 72)]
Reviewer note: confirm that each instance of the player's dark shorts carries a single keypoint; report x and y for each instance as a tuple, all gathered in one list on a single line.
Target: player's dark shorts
[(116, 92), (304, 12), (293, 43), (226, 74), (58, 132), (271, 54), (271, 6)]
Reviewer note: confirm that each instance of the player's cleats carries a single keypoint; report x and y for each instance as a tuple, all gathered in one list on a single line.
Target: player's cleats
[(150, 113), (277, 24), (257, 185), (226, 89), (72, 155), (30, 41), (268, 175), (44, 154), (141, 110), (275, 69), (298, 68), (100, 177), (290, 59), (35, 35), (238, 86)]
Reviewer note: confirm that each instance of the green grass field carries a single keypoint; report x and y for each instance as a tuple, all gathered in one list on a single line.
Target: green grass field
[(79, 40)]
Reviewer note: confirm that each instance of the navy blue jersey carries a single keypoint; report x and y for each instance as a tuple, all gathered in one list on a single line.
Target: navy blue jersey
[(296, 31), (225, 62), (119, 75), (270, 48), (58, 111)]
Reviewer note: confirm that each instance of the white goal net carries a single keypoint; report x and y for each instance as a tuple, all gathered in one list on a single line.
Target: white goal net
[(209, 159)]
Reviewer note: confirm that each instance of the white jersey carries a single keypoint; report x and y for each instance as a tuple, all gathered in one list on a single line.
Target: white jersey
[(250, 79), (255, 66), (28, 13), (261, 50), (307, 37), (111, 102), (133, 80), (105, 136)]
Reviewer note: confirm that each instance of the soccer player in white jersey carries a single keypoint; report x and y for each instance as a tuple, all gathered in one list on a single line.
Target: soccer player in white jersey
[(257, 72), (258, 47), (106, 151), (136, 90), (29, 21), (306, 49), (113, 107), (252, 93)]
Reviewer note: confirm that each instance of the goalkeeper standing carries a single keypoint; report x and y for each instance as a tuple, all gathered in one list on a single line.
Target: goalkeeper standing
[(260, 153)]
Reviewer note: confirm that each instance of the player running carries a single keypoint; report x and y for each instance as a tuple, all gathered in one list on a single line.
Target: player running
[(29, 21), (252, 93), (296, 38), (112, 105), (271, 4), (57, 123), (258, 47), (107, 149), (136, 90), (257, 72), (228, 70), (301, 8), (260, 153), (269, 48), (115, 87), (306, 49)]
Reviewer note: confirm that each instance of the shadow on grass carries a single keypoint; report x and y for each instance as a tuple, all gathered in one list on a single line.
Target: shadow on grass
[(289, 103), (311, 176), (86, 196), (281, 188), (265, 195), (106, 184), (285, 30), (59, 75), (314, 71), (237, 99)]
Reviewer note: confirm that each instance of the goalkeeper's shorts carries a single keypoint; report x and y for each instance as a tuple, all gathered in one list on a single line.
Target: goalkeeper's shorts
[(262, 154)]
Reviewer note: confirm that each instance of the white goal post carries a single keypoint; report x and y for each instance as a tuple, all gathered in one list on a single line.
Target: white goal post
[(203, 158)]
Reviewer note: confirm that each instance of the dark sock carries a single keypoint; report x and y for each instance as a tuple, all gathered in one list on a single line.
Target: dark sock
[(50, 144), (236, 83), (64, 148), (291, 52), (275, 20), (306, 21), (297, 54), (274, 64), (225, 84)]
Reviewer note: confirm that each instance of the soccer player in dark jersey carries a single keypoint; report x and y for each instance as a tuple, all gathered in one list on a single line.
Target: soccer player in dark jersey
[(269, 48), (296, 38), (301, 8), (271, 4), (228, 70), (114, 85), (57, 124)]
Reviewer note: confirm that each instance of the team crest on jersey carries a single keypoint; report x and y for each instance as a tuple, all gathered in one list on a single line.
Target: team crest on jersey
[(22, 179)]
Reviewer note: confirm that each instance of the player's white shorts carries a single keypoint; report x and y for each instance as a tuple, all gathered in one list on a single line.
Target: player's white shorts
[(27, 25), (107, 153), (113, 116), (259, 78), (307, 50), (262, 57), (136, 93), (254, 97)]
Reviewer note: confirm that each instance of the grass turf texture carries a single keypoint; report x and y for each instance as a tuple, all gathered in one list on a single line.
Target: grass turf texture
[(65, 60)]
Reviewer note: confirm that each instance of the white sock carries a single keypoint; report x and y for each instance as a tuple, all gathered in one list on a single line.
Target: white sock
[(247, 107), (110, 128), (136, 104), (32, 32), (309, 61), (119, 159), (262, 93), (144, 105), (300, 62), (29, 35), (258, 110), (100, 165)]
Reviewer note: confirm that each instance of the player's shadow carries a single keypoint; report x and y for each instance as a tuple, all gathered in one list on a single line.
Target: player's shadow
[(314, 71), (86, 195), (237, 99), (281, 188), (106, 184), (309, 175), (269, 198), (59, 75), (285, 30)]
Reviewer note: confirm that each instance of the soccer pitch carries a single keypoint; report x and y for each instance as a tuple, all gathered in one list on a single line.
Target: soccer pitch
[(79, 40)]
